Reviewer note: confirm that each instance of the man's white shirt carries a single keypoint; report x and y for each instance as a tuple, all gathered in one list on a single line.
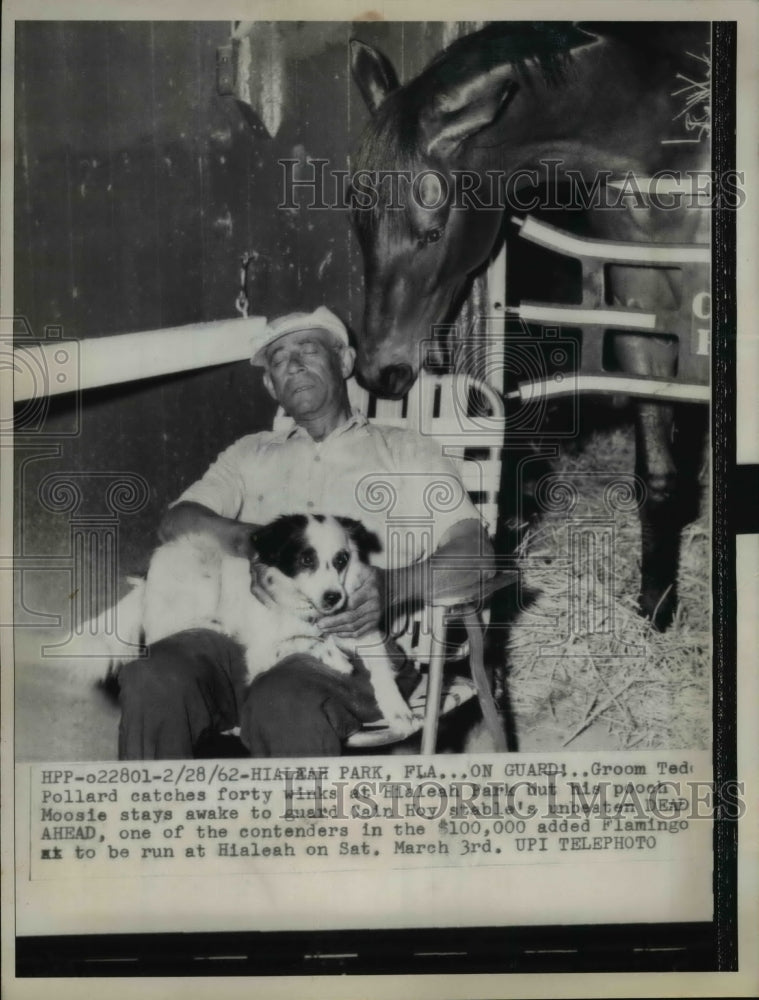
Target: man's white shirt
[(395, 481)]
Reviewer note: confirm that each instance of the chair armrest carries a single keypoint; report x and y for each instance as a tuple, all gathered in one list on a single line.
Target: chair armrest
[(476, 594)]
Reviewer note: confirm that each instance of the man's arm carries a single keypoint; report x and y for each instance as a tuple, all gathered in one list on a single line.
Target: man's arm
[(186, 517), (453, 572)]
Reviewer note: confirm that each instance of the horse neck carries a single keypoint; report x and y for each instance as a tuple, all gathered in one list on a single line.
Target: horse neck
[(604, 116), (544, 158)]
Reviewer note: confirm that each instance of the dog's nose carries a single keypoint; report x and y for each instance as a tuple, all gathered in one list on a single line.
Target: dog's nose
[(331, 598)]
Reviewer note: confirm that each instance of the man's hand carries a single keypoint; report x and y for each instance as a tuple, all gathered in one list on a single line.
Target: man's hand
[(258, 584), (367, 606)]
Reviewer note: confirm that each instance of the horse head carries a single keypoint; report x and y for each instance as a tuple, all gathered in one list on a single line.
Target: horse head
[(419, 248), (494, 105), (428, 231)]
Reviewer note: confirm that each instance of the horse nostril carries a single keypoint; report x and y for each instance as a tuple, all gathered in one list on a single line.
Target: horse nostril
[(331, 598), (395, 380)]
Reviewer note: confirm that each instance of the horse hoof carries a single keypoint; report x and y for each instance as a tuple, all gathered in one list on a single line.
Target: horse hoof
[(658, 610)]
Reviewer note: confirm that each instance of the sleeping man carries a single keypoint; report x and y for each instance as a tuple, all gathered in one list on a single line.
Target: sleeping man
[(189, 685)]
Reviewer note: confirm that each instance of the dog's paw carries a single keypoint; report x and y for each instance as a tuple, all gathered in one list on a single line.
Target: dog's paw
[(348, 646), (401, 722), (326, 652), (331, 655), (396, 713), (300, 645)]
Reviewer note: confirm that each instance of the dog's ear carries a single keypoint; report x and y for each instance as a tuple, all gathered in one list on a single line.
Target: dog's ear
[(367, 542), (270, 542), (251, 551)]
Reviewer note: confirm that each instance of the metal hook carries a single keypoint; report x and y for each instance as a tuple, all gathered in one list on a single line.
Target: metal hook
[(241, 302)]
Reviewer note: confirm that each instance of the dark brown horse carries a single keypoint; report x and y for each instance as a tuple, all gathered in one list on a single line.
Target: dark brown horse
[(472, 132)]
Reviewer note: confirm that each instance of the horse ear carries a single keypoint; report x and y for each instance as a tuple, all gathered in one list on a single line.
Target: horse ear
[(463, 107), (373, 72)]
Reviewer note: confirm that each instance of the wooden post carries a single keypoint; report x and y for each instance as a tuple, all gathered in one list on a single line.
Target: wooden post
[(101, 361)]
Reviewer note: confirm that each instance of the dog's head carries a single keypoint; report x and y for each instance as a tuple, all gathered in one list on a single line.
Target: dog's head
[(316, 555)]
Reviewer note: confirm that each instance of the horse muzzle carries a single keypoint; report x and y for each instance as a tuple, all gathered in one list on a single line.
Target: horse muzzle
[(392, 381)]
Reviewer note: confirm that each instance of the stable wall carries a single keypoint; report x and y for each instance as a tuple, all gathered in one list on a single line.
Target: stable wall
[(137, 189)]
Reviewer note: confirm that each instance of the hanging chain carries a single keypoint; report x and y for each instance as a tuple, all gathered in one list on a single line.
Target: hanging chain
[(241, 302)]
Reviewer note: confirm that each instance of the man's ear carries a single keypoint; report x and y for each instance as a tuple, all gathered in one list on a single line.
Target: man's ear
[(347, 361), (269, 386)]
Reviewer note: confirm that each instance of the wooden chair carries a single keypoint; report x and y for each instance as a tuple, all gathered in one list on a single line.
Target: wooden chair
[(466, 417)]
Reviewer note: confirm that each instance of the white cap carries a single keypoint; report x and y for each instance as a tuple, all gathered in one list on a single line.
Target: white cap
[(320, 319)]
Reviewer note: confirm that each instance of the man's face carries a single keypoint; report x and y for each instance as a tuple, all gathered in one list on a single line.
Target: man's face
[(306, 372)]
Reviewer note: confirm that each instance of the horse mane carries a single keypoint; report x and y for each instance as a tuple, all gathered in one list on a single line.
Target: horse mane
[(546, 44)]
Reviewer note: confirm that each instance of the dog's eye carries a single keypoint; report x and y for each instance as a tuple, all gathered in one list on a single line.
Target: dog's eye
[(341, 560), (308, 559)]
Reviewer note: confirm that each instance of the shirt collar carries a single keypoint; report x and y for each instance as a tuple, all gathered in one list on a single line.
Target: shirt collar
[(356, 419)]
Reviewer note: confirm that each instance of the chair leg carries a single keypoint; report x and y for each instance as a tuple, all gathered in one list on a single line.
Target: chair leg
[(434, 683), (480, 678)]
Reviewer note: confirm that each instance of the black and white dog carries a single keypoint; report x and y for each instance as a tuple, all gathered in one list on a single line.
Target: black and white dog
[(310, 566)]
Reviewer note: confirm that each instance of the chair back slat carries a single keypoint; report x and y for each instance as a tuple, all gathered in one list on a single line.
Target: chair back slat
[(389, 411)]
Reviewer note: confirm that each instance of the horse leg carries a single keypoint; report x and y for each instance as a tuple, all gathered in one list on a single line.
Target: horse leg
[(660, 515), (660, 521)]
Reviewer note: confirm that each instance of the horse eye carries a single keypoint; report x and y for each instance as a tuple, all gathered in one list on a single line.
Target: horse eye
[(430, 237)]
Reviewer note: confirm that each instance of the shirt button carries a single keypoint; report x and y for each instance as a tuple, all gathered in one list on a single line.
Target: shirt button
[(310, 503), (260, 497), (317, 458)]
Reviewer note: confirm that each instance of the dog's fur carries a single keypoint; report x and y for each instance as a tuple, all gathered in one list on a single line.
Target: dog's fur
[(310, 567)]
